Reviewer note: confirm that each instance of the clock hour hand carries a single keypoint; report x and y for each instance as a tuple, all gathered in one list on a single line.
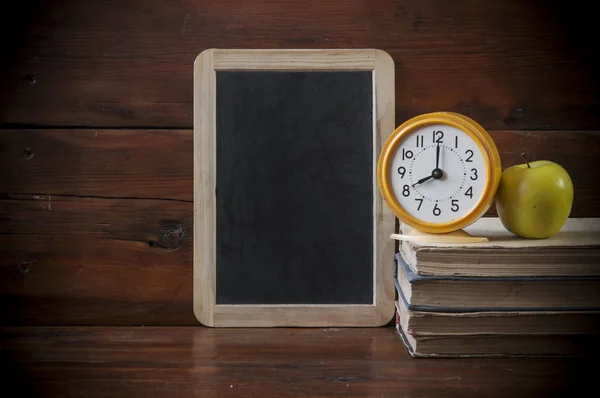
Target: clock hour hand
[(422, 180), (437, 173)]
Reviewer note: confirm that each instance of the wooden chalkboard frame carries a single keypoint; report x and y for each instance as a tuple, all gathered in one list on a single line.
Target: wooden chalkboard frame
[(206, 309)]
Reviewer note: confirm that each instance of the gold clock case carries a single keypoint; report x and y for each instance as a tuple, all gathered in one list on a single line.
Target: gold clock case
[(486, 146)]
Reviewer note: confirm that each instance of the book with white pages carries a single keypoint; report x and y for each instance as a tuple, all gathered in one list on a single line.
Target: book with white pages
[(573, 251)]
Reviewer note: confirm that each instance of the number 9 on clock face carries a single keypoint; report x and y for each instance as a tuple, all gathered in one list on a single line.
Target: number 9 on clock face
[(439, 172)]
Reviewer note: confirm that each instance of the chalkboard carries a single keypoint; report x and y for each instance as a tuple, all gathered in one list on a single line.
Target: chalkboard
[(289, 228)]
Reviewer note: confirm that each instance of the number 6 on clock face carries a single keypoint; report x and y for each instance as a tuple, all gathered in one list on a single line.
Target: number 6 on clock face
[(439, 172)]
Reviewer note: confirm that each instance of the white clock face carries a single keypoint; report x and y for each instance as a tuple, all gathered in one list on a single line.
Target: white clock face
[(438, 173)]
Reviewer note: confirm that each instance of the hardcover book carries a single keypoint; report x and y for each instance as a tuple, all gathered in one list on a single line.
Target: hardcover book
[(574, 251), (506, 293)]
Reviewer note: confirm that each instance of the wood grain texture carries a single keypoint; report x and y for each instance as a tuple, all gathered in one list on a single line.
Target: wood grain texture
[(205, 362), (95, 261), (78, 248), (158, 164), (509, 65), (108, 163), (300, 60)]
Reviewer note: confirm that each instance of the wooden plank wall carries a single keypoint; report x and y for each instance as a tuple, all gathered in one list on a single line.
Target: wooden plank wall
[(96, 125)]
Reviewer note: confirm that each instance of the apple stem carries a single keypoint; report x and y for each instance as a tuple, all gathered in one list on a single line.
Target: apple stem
[(526, 161)]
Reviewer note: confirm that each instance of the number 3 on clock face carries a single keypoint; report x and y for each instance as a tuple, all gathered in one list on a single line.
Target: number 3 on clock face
[(439, 172)]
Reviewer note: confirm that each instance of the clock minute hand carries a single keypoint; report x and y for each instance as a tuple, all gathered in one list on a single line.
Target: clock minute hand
[(422, 180), (437, 173)]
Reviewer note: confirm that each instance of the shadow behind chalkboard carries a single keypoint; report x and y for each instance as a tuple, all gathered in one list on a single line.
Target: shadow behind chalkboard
[(294, 187)]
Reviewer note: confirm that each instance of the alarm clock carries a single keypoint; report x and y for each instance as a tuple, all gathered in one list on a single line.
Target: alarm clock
[(438, 173)]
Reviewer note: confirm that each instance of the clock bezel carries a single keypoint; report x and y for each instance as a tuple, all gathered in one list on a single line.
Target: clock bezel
[(484, 142)]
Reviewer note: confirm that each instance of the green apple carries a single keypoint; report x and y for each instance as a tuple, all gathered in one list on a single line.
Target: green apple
[(534, 199)]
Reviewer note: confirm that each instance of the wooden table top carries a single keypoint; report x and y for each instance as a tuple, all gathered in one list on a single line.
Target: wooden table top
[(203, 362)]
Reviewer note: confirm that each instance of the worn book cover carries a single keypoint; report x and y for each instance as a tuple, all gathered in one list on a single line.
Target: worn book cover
[(476, 293), (438, 323), (494, 345), (573, 251)]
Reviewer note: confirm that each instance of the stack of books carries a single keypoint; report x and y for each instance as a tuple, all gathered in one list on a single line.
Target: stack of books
[(507, 297)]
